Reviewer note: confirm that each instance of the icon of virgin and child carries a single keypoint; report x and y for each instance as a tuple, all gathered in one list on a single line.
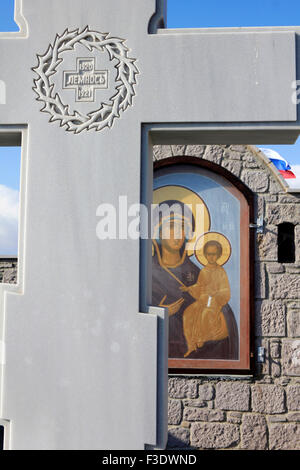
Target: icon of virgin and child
[(202, 324)]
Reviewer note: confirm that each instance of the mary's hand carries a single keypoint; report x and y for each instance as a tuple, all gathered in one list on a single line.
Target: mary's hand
[(195, 290), (172, 308)]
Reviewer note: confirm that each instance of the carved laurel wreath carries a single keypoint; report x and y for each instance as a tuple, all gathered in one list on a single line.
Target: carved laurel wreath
[(106, 114)]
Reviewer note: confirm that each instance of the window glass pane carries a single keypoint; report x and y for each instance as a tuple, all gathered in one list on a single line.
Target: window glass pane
[(199, 265), (9, 199)]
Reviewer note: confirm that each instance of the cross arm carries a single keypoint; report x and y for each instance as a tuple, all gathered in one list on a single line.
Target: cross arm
[(220, 77)]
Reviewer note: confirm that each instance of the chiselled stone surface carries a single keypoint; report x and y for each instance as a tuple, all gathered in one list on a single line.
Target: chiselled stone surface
[(214, 153), (293, 397), (259, 206), (194, 403), (5, 265), (294, 304), (214, 435), (294, 323), (233, 396), (8, 271), (275, 349), (195, 150), (275, 353), (297, 242), (267, 244), (276, 268), (277, 418), (181, 388), (200, 414), (250, 160), (268, 399), (178, 438), (275, 369), (291, 357), (289, 199), (174, 411), (234, 417), (257, 181), (206, 392), (242, 149), (10, 276), (270, 318), (233, 166), (284, 286), (271, 197), (275, 187), (254, 432), (295, 416), (293, 268), (162, 151), (178, 150), (284, 436), (231, 154), (260, 281), (278, 213)]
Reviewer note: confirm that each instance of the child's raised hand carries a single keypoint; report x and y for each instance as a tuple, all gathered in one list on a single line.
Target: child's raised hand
[(184, 288)]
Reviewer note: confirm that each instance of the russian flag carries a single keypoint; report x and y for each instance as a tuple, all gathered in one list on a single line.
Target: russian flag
[(281, 164)]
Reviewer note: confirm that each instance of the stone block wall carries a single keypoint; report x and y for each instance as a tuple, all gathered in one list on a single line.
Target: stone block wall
[(260, 411), (253, 413)]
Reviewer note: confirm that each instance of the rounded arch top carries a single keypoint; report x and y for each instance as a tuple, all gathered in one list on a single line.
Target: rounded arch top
[(210, 166), (245, 166)]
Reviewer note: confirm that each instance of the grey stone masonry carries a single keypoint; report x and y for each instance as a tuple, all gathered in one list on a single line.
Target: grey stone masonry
[(8, 270), (259, 411)]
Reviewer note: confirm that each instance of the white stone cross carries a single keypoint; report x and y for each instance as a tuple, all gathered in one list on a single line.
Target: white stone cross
[(85, 353)]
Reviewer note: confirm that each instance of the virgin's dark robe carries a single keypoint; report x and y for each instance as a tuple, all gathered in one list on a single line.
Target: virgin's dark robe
[(163, 284)]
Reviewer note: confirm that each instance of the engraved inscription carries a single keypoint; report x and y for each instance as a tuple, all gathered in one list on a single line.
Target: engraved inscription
[(85, 80)]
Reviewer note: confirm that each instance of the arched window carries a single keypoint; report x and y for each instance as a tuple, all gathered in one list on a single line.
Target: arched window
[(286, 243), (201, 263)]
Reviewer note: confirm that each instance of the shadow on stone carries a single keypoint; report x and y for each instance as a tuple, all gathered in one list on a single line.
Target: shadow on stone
[(179, 438)]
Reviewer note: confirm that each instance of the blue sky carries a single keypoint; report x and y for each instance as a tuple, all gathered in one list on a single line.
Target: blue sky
[(181, 14), (234, 13), (226, 13)]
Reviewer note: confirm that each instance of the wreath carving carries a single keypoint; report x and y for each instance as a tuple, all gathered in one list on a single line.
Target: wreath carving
[(48, 64)]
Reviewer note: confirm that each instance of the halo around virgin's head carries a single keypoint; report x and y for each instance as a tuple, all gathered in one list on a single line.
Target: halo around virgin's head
[(194, 202)]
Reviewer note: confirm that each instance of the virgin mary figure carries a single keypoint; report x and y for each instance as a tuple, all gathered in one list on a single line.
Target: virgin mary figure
[(173, 272)]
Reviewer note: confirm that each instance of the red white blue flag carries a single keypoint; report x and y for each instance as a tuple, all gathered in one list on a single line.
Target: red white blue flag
[(281, 164)]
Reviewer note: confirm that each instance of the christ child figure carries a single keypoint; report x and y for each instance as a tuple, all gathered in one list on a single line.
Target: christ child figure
[(204, 320)]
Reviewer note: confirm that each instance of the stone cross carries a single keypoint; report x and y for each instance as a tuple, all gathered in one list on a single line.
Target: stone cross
[(85, 353)]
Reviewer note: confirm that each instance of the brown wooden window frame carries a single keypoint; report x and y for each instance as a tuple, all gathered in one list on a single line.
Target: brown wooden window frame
[(245, 363)]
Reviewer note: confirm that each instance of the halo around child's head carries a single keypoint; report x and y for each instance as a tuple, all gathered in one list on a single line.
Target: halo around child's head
[(213, 237)]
